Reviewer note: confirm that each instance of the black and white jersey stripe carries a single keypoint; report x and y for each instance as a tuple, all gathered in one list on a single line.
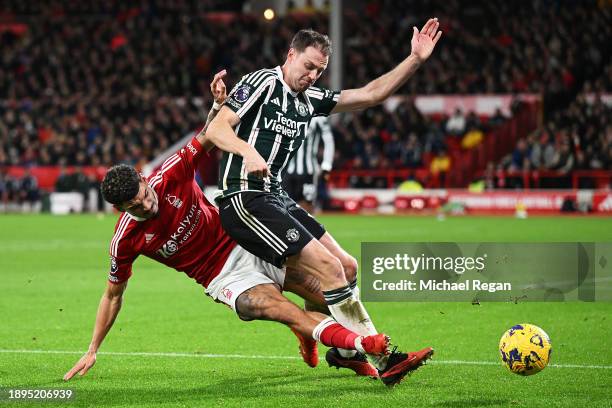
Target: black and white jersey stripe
[(305, 160), (274, 120)]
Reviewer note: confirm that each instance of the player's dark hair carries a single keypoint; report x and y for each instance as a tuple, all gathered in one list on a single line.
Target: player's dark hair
[(310, 38), (121, 183)]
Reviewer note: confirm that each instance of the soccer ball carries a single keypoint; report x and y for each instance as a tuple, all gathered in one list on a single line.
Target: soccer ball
[(525, 349)]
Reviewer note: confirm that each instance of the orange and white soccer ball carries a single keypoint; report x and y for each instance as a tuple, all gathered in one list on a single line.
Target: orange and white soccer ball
[(525, 349)]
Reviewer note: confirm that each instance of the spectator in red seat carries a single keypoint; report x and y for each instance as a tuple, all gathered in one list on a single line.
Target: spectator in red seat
[(440, 166), (497, 119)]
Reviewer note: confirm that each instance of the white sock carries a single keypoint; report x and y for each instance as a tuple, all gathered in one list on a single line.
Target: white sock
[(316, 333), (355, 290), (348, 353), (350, 312), (378, 362)]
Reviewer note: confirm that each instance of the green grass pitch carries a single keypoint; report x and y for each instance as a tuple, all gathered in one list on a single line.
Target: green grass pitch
[(53, 271)]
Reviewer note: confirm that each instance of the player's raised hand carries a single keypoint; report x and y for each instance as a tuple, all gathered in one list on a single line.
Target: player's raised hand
[(217, 87), (424, 41), (82, 366)]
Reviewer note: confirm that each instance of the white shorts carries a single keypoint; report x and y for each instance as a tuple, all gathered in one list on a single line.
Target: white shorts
[(241, 272)]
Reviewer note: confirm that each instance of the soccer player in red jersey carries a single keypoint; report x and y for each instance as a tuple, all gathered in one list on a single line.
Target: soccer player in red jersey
[(167, 218)]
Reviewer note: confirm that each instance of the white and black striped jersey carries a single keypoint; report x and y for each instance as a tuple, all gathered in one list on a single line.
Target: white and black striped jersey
[(305, 161), (274, 120)]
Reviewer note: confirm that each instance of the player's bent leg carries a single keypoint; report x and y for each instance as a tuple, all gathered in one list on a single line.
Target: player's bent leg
[(315, 260), (349, 263), (265, 302), (343, 302), (308, 288)]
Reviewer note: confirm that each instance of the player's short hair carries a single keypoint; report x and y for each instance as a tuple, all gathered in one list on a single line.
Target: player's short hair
[(121, 183), (310, 38)]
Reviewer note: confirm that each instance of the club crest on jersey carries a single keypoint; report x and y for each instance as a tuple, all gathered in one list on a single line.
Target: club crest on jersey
[(302, 109), (292, 235), (168, 249), (227, 293), (174, 201), (242, 93)]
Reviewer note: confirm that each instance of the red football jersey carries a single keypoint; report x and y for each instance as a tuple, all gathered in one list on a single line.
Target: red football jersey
[(186, 233)]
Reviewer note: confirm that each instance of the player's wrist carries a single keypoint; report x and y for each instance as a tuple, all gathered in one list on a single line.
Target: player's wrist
[(249, 152), (93, 347), (216, 106), (415, 59)]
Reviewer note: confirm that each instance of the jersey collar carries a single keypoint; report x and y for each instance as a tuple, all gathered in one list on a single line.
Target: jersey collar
[(279, 73), (136, 218)]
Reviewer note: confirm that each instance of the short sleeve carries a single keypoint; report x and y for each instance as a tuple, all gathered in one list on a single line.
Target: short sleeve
[(120, 269), (250, 92), (322, 100), (122, 252)]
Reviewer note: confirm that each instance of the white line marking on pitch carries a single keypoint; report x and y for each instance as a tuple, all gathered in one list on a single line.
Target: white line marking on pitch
[(198, 355), (146, 354)]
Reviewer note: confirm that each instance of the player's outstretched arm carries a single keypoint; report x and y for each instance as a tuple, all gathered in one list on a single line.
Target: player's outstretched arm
[(219, 93), (378, 90), (109, 307), (221, 133)]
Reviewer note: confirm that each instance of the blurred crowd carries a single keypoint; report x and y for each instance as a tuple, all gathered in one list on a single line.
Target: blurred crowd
[(96, 83), (23, 193), (577, 138), (489, 46), (379, 139), (18, 193)]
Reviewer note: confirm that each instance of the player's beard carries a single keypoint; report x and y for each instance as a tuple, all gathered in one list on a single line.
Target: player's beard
[(304, 85)]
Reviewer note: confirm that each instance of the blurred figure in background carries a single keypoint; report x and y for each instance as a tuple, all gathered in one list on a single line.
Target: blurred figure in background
[(305, 170), (29, 193)]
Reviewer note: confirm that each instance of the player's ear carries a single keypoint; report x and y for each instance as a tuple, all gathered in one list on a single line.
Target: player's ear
[(291, 54)]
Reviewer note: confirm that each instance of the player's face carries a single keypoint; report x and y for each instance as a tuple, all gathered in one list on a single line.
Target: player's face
[(305, 67), (145, 204)]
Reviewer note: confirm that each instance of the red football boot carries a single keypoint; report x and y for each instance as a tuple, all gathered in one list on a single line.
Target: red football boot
[(358, 363), (308, 350), (400, 364)]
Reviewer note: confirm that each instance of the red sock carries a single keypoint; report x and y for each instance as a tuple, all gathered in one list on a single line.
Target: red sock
[(336, 335)]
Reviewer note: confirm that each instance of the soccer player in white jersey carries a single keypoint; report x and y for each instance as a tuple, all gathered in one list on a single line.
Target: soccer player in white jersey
[(260, 126)]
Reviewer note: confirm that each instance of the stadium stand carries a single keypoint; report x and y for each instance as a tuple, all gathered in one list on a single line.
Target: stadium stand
[(96, 83)]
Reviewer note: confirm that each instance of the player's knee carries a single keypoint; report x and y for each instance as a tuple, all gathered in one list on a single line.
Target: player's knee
[(258, 305), (350, 266), (332, 271)]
